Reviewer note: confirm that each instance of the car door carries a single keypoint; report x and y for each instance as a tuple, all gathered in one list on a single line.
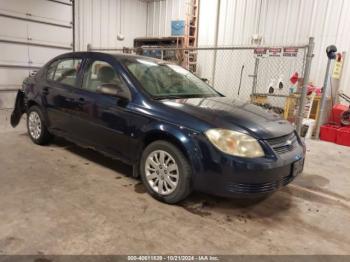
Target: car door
[(102, 119), (60, 80)]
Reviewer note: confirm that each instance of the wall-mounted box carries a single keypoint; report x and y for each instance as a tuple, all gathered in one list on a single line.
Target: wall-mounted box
[(177, 28)]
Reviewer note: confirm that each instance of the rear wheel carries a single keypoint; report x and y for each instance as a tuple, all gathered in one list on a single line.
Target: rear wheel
[(165, 172), (36, 126)]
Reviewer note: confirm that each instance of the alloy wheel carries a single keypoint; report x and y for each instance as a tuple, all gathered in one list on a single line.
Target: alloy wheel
[(34, 125), (162, 172)]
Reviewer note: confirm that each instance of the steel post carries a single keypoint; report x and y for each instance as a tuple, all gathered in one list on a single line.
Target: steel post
[(302, 102), (323, 100)]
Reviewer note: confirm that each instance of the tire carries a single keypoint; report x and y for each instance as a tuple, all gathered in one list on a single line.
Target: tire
[(174, 177), (36, 126)]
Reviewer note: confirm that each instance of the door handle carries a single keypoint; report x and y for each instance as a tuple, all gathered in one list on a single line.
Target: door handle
[(45, 91), (81, 100)]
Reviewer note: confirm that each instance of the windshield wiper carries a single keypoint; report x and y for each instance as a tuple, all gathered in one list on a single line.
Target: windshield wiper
[(180, 96), (168, 97)]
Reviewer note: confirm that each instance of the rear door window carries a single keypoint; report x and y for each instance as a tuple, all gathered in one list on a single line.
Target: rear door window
[(51, 70), (65, 71)]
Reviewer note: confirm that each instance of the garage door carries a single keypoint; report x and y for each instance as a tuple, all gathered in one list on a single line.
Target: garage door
[(31, 33)]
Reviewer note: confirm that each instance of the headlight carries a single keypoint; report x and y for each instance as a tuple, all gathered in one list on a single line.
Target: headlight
[(234, 143)]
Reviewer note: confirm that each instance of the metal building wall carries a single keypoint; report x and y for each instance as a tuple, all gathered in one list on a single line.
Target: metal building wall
[(99, 21), (161, 13), (282, 22)]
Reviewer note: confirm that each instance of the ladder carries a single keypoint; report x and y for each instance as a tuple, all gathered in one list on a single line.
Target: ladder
[(190, 36)]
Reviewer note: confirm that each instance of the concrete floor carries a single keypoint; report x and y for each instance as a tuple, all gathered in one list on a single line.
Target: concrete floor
[(61, 199)]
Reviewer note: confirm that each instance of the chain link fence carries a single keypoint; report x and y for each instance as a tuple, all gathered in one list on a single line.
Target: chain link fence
[(261, 75)]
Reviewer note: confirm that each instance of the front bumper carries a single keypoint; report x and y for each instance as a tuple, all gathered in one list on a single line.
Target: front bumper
[(248, 182), (229, 176)]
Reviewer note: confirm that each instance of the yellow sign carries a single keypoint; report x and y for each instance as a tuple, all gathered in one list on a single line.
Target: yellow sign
[(338, 65)]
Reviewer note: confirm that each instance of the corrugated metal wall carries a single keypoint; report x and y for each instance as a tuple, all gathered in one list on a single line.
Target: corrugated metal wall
[(282, 22), (160, 13), (98, 22)]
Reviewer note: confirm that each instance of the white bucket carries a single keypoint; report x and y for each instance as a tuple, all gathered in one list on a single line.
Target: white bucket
[(311, 124)]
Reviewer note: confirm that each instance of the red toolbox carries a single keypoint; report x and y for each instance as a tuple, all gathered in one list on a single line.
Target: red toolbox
[(337, 110), (329, 133), (343, 136)]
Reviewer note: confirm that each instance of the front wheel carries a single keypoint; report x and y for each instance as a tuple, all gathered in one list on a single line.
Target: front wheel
[(36, 126), (165, 172)]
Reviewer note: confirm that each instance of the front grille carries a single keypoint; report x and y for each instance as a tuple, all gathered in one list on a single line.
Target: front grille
[(284, 144), (259, 188)]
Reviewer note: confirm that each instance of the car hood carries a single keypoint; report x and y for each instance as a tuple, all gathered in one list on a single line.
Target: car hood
[(222, 112)]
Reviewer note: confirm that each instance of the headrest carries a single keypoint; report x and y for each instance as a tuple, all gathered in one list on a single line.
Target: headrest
[(106, 74)]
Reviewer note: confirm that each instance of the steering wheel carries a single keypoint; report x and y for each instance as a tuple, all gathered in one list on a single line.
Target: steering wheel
[(177, 87), (147, 74)]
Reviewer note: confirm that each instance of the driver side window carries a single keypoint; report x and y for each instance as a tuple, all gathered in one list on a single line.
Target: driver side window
[(100, 72)]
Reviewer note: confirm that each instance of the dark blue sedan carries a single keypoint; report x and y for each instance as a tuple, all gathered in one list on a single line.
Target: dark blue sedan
[(177, 132)]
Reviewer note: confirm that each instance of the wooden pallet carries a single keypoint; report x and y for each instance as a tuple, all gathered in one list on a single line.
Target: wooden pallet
[(312, 107)]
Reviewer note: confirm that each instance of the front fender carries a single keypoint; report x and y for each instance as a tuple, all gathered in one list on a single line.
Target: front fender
[(184, 138)]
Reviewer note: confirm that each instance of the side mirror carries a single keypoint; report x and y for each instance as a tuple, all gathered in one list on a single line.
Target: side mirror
[(113, 90)]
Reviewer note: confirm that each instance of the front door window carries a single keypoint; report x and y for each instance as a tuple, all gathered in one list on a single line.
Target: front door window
[(99, 73)]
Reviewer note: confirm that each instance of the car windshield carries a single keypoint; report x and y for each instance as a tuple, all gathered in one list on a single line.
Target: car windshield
[(164, 80)]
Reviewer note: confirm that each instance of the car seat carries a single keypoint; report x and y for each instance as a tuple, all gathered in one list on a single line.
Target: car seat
[(105, 75)]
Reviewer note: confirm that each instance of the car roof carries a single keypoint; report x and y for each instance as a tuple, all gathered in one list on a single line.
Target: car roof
[(122, 57)]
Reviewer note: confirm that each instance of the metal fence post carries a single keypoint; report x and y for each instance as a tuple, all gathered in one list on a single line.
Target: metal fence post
[(303, 94), (255, 75), (216, 40)]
